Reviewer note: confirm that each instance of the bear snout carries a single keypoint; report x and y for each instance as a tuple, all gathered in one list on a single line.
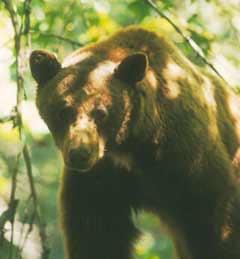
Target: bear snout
[(80, 156), (81, 148)]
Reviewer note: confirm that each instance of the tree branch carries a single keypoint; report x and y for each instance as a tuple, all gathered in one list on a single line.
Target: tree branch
[(7, 119), (13, 16), (27, 12), (191, 43), (59, 37), (22, 29), (7, 215), (13, 203)]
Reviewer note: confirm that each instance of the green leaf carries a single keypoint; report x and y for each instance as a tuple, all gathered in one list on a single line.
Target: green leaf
[(139, 9)]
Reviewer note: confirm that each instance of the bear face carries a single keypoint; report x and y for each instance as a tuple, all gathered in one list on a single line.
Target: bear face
[(80, 103)]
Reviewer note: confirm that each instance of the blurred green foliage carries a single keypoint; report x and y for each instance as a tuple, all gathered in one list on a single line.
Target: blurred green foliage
[(62, 26)]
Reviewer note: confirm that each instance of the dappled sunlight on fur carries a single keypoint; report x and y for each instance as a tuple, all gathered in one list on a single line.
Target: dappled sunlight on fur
[(65, 82), (76, 57), (101, 73), (234, 107), (226, 232), (208, 91), (152, 80), (117, 54)]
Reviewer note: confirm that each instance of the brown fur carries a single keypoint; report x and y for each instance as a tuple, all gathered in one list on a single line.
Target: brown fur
[(171, 147)]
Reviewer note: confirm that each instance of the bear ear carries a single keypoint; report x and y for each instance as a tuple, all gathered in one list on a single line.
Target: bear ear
[(132, 69), (44, 66)]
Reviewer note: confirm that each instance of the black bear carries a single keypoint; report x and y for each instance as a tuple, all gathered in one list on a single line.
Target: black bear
[(142, 128)]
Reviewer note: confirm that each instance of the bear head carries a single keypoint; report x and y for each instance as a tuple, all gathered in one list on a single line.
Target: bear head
[(87, 105)]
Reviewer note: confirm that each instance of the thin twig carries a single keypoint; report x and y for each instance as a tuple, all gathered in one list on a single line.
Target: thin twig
[(7, 119), (37, 214), (11, 117), (191, 43), (59, 37), (27, 12), (13, 16), (24, 220), (9, 214), (17, 42), (27, 160), (43, 236), (22, 29), (13, 200), (31, 221)]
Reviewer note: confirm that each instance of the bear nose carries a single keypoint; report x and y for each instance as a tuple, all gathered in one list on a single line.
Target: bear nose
[(79, 155)]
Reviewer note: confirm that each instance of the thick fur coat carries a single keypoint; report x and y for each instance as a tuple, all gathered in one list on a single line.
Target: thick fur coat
[(142, 128)]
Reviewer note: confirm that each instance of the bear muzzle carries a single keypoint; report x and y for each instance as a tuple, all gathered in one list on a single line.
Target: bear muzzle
[(83, 147), (80, 159)]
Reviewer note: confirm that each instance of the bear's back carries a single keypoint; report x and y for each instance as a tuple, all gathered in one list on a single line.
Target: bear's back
[(125, 42)]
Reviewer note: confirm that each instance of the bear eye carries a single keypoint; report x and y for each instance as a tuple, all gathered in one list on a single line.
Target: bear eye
[(100, 113)]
